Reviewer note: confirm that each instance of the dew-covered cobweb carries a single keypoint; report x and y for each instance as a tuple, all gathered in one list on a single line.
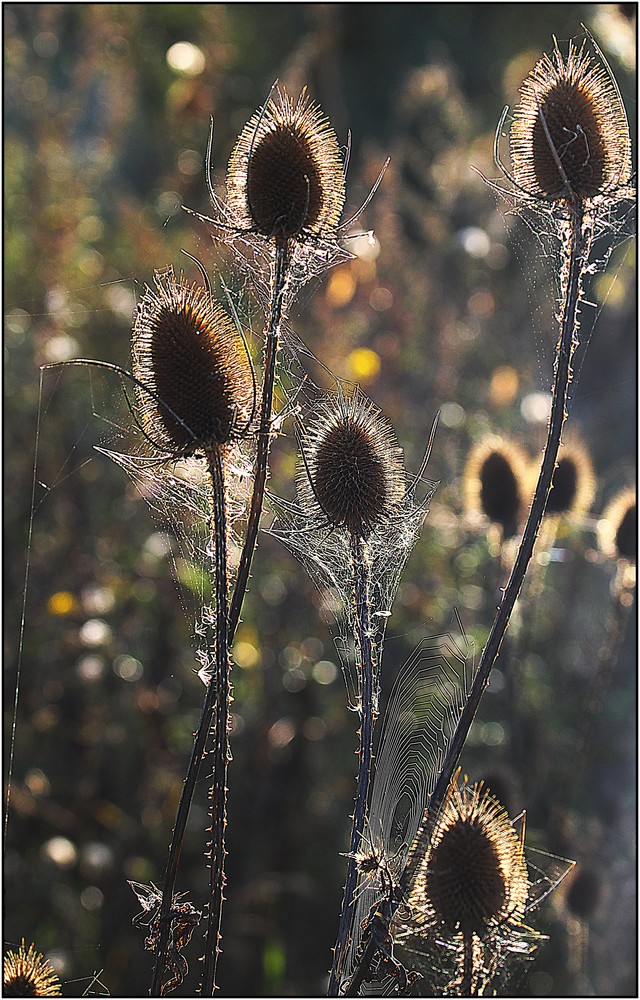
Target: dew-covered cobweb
[(325, 553)]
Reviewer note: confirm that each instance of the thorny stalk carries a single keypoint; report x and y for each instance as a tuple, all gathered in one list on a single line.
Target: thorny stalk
[(222, 691), (576, 250), (466, 988), (231, 620), (216, 698), (365, 756), (264, 432), (577, 244)]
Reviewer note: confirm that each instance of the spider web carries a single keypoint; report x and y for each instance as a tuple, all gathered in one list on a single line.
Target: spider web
[(424, 706), (325, 553), (536, 231)]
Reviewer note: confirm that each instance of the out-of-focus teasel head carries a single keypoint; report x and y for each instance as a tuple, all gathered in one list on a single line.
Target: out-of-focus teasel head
[(352, 472), (285, 179), (574, 482), (199, 385), (27, 973), (495, 483), (618, 528), (584, 892), (569, 140)]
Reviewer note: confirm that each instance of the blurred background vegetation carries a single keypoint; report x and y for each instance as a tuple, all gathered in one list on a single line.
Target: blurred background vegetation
[(106, 127)]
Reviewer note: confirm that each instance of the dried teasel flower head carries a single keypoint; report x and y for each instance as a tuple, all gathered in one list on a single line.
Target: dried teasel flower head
[(618, 529), (286, 175), (188, 354), (473, 877), (570, 138), (352, 471), (495, 482), (574, 482), (27, 973)]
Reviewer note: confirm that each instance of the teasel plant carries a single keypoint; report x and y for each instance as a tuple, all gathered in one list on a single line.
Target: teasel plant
[(187, 349), (571, 154), (285, 189), (571, 159), (354, 525), (495, 483), (194, 398)]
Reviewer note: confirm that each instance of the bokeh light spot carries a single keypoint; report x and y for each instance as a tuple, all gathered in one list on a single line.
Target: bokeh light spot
[(363, 365), (186, 59), (62, 603)]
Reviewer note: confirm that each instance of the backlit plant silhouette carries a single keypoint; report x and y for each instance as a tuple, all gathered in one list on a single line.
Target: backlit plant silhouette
[(439, 887)]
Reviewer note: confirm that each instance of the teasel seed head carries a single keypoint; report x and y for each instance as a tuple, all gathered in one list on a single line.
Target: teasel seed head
[(187, 351), (352, 469), (570, 138), (495, 482), (27, 973), (286, 176), (618, 529), (574, 482), (584, 892), (474, 875)]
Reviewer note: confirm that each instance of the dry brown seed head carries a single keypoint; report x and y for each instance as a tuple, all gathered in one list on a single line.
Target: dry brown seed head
[(285, 176), (188, 353), (495, 480), (618, 529), (474, 875), (27, 973), (584, 892), (570, 137), (574, 482), (355, 465)]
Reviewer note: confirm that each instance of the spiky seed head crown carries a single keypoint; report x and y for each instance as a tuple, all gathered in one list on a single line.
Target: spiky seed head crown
[(574, 482), (570, 113), (495, 482), (354, 470), (187, 351), (474, 875), (285, 175), (27, 973)]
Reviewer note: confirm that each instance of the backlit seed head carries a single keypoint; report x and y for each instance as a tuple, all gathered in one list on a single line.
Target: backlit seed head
[(570, 137), (187, 351), (618, 529), (573, 484), (474, 875), (28, 974), (286, 175), (495, 482), (354, 470)]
